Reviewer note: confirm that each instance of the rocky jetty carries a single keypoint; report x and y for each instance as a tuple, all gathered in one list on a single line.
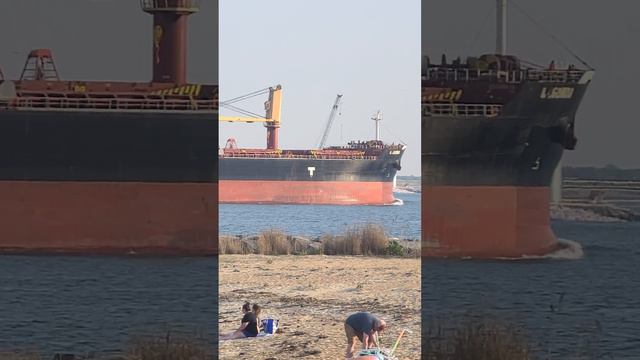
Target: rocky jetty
[(592, 212)]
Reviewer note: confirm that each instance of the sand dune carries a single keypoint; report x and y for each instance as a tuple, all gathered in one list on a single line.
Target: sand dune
[(312, 295)]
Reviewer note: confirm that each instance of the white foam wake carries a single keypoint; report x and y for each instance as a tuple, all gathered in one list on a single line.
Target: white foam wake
[(569, 250), (403, 191), (396, 202)]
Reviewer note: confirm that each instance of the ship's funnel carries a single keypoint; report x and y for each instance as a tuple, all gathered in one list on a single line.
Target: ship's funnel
[(170, 37)]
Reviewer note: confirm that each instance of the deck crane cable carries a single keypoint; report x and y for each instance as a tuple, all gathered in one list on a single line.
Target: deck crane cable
[(243, 112), (332, 116), (551, 35), (227, 103), (474, 43), (393, 135), (246, 96)]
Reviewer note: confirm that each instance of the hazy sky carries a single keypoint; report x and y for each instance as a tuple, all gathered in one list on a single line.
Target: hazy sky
[(366, 50), (99, 39), (604, 33)]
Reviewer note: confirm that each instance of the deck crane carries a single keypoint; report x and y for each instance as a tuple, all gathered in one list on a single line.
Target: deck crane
[(332, 116), (272, 118)]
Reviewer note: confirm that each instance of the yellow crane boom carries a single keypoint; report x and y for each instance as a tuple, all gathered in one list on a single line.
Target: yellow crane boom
[(271, 119)]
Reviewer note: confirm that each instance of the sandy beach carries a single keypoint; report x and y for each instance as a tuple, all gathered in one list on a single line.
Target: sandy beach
[(312, 296)]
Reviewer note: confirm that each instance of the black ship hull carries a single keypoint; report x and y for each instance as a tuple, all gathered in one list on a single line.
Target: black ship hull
[(520, 147)]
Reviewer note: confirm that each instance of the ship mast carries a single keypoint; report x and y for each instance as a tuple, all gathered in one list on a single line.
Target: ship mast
[(501, 27), (377, 117), (170, 37)]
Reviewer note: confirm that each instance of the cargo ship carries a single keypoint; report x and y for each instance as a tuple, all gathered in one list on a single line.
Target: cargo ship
[(360, 173), (493, 131), (108, 167)]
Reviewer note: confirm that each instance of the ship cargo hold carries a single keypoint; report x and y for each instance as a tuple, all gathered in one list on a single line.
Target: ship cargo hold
[(360, 173), (493, 132), (111, 167)]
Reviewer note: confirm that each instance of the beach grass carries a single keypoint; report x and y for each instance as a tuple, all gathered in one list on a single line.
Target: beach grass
[(274, 242), (169, 348), (368, 239), (474, 339), (19, 355), (357, 240)]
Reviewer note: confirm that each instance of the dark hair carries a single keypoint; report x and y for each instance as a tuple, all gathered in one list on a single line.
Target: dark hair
[(246, 307), (256, 309)]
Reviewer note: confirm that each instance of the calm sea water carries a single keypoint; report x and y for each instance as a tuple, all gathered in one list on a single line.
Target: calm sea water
[(401, 221), (80, 305), (572, 307)]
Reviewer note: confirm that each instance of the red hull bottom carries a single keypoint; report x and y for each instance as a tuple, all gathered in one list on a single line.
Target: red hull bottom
[(108, 218), (486, 221), (306, 192)]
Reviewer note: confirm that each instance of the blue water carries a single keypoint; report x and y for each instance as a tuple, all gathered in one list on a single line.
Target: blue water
[(585, 308), (80, 305), (401, 221)]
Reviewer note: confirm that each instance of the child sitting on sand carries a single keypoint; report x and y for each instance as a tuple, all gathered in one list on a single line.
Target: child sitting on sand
[(256, 310), (248, 325)]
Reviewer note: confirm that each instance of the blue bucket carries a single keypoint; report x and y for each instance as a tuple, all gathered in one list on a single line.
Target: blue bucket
[(270, 325)]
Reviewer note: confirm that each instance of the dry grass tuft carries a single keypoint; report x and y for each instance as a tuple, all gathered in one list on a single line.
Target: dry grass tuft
[(475, 340), (169, 349), (369, 239), (374, 240), (232, 245), (19, 355), (273, 242)]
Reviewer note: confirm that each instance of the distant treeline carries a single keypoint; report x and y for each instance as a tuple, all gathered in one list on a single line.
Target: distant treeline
[(609, 172), (408, 177)]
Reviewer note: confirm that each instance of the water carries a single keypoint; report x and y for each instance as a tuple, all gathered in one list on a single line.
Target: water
[(401, 221), (584, 308), (81, 305)]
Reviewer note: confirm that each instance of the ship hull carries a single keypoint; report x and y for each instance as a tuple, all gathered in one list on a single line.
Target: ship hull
[(309, 181), (306, 192), (486, 180), (108, 182), (108, 218), (486, 221)]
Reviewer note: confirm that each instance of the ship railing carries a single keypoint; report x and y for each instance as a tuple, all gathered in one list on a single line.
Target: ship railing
[(463, 110), (106, 104), (512, 76), (170, 5), (296, 156)]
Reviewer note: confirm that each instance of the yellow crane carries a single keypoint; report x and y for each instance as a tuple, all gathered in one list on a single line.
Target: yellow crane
[(271, 119)]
